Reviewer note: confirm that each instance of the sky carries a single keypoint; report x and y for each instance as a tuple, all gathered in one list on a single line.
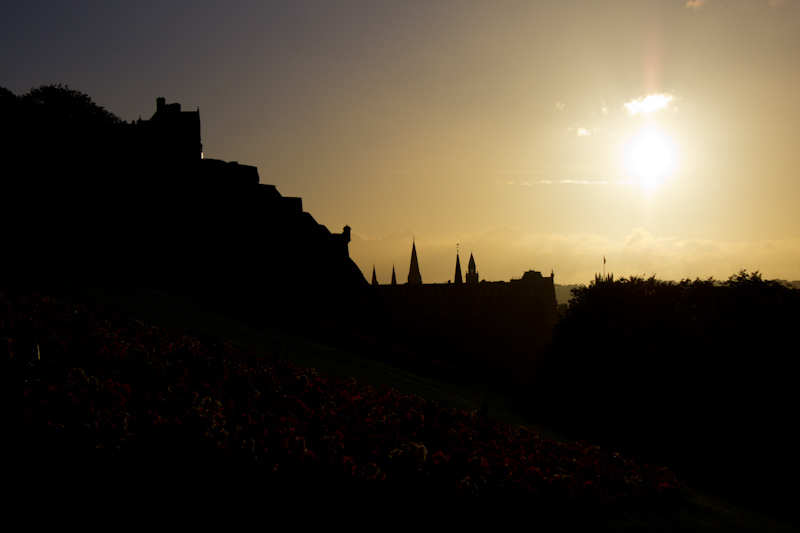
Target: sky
[(657, 136)]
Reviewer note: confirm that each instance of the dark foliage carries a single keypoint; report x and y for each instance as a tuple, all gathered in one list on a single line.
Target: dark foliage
[(59, 102), (87, 396), (697, 374)]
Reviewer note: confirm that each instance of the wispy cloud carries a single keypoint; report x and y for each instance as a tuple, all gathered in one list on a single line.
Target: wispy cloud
[(648, 104), (586, 131), (697, 5), (584, 182), (580, 182), (640, 236), (501, 171)]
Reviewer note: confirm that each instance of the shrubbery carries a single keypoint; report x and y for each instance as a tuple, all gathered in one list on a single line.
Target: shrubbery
[(92, 391), (696, 374)]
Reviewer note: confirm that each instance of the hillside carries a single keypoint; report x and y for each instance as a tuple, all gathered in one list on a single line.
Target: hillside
[(21, 275)]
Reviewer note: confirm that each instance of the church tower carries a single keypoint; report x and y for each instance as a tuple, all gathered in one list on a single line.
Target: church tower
[(458, 279), (374, 277), (394, 278), (414, 277), (472, 274)]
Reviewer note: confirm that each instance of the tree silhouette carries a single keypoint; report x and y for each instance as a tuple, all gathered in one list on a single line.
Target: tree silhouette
[(59, 102), (681, 373)]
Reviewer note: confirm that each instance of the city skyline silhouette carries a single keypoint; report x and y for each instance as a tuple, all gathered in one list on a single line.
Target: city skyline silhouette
[(537, 136)]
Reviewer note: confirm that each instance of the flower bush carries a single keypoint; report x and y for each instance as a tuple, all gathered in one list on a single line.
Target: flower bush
[(90, 388)]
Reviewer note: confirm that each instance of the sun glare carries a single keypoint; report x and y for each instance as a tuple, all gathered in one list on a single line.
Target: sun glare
[(650, 157)]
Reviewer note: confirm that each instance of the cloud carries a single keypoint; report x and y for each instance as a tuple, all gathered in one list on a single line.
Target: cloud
[(400, 235), (640, 236), (586, 131), (649, 104), (583, 131), (697, 5), (499, 170), (560, 106), (569, 182)]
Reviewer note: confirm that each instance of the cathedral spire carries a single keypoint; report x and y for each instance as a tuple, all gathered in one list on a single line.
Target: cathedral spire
[(458, 278), (394, 278), (472, 273), (414, 277), (374, 277)]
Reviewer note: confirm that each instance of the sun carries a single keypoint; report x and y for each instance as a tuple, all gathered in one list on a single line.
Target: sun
[(650, 157)]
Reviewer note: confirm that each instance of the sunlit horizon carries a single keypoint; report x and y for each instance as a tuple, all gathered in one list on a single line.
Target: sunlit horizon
[(537, 136)]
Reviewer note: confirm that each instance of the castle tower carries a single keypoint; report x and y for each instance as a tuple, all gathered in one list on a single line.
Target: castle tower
[(414, 277), (472, 274), (458, 279), (394, 278)]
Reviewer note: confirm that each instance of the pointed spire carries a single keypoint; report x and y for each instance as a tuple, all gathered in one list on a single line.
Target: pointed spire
[(458, 278), (414, 277), (472, 273), (394, 278), (374, 277)]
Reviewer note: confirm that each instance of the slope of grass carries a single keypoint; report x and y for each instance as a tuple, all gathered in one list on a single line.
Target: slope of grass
[(697, 512)]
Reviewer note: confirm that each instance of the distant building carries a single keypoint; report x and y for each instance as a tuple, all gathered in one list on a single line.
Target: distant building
[(496, 328)]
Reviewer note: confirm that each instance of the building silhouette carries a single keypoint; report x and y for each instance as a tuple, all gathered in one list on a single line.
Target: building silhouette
[(494, 329), (170, 134), (472, 272), (138, 201)]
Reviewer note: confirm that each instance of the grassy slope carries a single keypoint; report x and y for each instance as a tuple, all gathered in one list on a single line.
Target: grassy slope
[(700, 511)]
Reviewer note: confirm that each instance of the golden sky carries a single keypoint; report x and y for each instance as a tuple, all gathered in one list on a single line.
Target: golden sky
[(536, 135)]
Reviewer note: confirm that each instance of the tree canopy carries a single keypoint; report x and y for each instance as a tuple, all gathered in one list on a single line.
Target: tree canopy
[(61, 102), (679, 372)]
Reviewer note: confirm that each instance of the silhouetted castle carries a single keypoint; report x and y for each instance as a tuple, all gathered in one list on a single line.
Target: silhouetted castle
[(170, 133), (497, 328), (139, 201)]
